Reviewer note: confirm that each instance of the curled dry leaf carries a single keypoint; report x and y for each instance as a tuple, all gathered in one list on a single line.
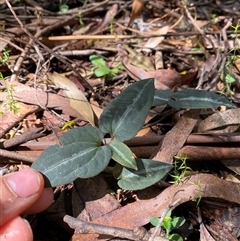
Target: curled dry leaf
[(229, 119), (77, 99)]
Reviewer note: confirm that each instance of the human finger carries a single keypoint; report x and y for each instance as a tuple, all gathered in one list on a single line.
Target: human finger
[(16, 229), (43, 202), (19, 190)]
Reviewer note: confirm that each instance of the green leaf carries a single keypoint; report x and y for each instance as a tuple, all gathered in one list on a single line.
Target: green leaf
[(77, 99), (114, 71), (230, 79), (101, 71), (126, 114), (167, 223), (198, 99), (161, 97), (175, 237), (122, 154), (169, 213), (154, 221), (97, 60), (177, 222), (64, 8), (85, 134), (148, 173), (80, 156)]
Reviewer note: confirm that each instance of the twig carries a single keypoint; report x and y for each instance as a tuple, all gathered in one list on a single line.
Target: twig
[(224, 58), (19, 119), (17, 140), (85, 227), (12, 44), (171, 206), (34, 39), (16, 156), (197, 27)]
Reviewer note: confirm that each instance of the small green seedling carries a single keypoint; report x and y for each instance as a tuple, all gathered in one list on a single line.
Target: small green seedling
[(226, 76), (169, 224), (80, 16), (63, 7), (180, 169), (4, 57), (101, 69), (84, 152), (228, 81), (111, 25), (198, 196), (10, 104)]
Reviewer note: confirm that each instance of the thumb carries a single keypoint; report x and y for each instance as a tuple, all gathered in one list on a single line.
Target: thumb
[(19, 190)]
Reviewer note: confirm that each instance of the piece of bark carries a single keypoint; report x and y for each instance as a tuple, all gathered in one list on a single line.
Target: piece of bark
[(209, 153), (176, 137)]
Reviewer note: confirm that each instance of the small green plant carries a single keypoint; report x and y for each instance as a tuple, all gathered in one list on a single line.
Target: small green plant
[(63, 7), (170, 224), (235, 36), (85, 153), (198, 197), (180, 169), (81, 20), (101, 69), (4, 57), (111, 25), (10, 103), (85, 3), (228, 79), (226, 76)]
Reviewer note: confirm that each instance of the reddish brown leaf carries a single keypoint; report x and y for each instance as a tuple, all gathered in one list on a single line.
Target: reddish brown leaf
[(137, 7)]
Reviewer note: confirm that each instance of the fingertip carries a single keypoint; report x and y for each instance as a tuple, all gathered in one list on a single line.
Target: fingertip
[(25, 183), (19, 191), (43, 202), (16, 229)]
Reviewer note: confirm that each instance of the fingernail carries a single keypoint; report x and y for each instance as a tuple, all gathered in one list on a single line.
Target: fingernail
[(24, 183)]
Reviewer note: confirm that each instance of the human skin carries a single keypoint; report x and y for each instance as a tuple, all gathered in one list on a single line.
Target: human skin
[(21, 192)]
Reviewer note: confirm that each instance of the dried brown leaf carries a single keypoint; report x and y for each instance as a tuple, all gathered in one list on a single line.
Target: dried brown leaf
[(166, 78), (155, 41), (228, 121), (77, 99)]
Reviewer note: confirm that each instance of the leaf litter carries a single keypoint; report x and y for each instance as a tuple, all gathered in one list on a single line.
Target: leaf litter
[(181, 45)]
